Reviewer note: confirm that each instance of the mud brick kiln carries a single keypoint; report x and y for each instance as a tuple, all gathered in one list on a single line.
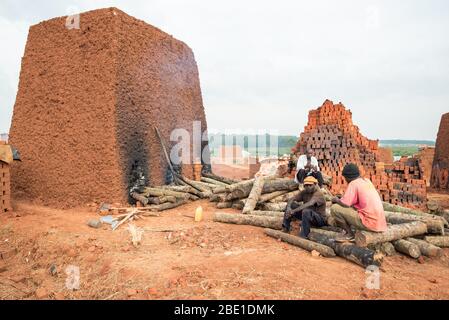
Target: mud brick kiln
[(87, 102), (5, 186), (336, 141), (440, 169)]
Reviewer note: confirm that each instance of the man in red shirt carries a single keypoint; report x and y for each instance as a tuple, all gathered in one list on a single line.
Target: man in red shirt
[(360, 207)]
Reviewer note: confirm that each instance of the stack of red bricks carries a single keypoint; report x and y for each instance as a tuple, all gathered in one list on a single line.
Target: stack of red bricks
[(336, 141), (5, 186)]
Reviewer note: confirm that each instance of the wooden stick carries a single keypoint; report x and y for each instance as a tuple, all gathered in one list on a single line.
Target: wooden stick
[(305, 244), (407, 248), (361, 256), (442, 242), (254, 195), (258, 221), (427, 249), (395, 232)]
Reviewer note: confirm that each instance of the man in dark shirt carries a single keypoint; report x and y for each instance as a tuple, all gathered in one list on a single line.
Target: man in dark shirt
[(312, 211)]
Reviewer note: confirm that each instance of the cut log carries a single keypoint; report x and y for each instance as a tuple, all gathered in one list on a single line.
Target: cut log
[(308, 245), (361, 256), (286, 197), (156, 200), (224, 205), (198, 185), (245, 219), (167, 205), (139, 197), (186, 189), (165, 199), (270, 196), (254, 195), (219, 178), (158, 192), (219, 197), (394, 208), (386, 248), (243, 190), (427, 249), (213, 181), (272, 185), (394, 232), (442, 242), (433, 225), (330, 234), (408, 248), (280, 206), (276, 214)]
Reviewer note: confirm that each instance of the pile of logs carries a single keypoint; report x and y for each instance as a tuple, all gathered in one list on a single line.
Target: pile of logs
[(262, 202), (411, 232)]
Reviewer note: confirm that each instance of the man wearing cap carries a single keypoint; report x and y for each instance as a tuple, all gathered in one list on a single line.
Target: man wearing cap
[(306, 166), (312, 211), (360, 207)]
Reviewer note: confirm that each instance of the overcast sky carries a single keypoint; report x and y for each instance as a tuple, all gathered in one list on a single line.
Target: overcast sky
[(264, 64)]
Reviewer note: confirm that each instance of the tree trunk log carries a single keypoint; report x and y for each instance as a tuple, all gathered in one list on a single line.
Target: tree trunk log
[(394, 208), (245, 219), (140, 197), (394, 232), (280, 206), (219, 178), (442, 242), (186, 189), (386, 248), (427, 249), (198, 185), (242, 190), (276, 214), (361, 256), (327, 233), (219, 197), (164, 192), (270, 196), (308, 245), (408, 248), (213, 181), (254, 195), (167, 205), (224, 205), (286, 197), (433, 225)]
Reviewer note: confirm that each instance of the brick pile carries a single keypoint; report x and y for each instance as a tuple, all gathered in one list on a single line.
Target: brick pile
[(425, 157), (336, 141), (440, 169), (386, 155), (5, 186)]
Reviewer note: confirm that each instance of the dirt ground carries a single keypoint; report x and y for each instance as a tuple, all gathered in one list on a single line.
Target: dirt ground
[(196, 260)]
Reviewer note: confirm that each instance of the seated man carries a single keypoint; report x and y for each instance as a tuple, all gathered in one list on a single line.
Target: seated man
[(312, 211), (360, 207), (308, 166)]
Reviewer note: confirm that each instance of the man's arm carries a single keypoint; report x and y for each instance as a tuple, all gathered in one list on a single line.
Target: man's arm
[(316, 200), (339, 202), (297, 198)]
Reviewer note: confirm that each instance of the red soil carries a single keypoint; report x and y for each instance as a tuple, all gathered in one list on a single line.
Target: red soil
[(203, 260)]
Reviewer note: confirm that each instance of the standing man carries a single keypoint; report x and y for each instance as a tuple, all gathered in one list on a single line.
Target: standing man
[(308, 166), (360, 207), (312, 211)]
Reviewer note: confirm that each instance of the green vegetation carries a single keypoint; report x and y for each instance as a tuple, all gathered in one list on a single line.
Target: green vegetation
[(261, 144)]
